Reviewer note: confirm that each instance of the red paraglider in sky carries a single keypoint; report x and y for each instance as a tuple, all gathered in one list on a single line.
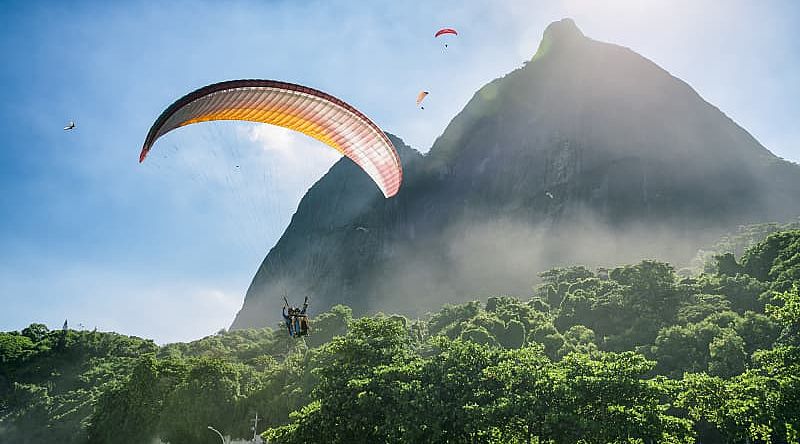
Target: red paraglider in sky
[(446, 31)]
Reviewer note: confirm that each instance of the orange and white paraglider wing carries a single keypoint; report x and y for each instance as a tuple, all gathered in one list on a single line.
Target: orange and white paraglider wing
[(421, 96), (299, 108)]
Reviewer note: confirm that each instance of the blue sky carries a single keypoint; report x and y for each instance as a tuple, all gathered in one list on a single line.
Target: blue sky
[(167, 249)]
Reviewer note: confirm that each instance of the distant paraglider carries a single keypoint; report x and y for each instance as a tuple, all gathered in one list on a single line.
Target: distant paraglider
[(70, 126), (445, 31), (420, 97), (299, 108)]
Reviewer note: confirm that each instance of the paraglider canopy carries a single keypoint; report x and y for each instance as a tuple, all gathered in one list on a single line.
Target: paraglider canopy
[(445, 31), (299, 108), (421, 96)]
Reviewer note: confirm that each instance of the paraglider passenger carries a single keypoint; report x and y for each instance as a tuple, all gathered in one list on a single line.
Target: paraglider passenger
[(303, 331), (288, 320)]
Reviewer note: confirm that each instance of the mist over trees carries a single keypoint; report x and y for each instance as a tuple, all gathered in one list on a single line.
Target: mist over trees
[(636, 353)]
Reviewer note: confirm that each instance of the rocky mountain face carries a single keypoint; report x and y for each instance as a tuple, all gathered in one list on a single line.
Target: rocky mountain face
[(589, 151)]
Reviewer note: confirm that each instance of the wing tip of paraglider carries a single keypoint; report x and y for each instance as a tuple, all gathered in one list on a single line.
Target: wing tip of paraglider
[(392, 189), (143, 154)]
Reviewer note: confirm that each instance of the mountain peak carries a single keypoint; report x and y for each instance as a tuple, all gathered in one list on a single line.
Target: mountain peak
[(561, 33), (563, 29)]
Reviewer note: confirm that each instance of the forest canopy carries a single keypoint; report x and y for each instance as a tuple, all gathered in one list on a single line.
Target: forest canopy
[(635, 353)]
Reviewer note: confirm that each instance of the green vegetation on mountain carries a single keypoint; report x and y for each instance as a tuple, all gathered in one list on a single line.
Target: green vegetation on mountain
[(630, 354)]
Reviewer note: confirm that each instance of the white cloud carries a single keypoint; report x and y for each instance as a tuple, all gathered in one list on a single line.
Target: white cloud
[(296, 155), (271, 138)]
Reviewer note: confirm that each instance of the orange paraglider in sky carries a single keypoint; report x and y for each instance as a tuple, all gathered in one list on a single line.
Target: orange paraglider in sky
[(420, 97)]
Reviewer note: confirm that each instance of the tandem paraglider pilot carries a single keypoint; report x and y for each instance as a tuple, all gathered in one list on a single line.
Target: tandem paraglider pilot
[(296, 319)]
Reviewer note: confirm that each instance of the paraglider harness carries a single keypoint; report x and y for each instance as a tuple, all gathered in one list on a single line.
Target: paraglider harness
[(297, 319)]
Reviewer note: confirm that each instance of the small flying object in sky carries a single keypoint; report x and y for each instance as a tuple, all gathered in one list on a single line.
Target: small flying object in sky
[(420, 97), (445, 31), (549, 194), (69, 126), (364, 229)]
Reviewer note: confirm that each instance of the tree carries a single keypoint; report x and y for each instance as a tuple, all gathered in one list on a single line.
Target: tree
[(776, 260), (726, 354), (36, 332), (455, 389), (556, 283), (349, 406), (744, 292), (529, 393), (131, 411), (788, 314), (209, 395), (579, 339)]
